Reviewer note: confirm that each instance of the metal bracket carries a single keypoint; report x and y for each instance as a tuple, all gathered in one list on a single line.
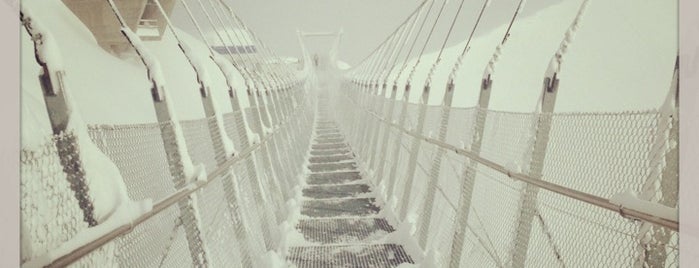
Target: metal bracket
[(450, 86), (157, 93), (486, 83), (551, 83)]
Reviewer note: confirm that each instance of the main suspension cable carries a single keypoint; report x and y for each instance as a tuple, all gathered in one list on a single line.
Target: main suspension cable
[(402, 45), (428, 80), (498, 50), (427, 40), (412, 46), (385, 40), (459, 59)]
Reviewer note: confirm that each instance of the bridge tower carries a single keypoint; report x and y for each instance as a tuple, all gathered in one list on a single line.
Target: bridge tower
[(320, 60)]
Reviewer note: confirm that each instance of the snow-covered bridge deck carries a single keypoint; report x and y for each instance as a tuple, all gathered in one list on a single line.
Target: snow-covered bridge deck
[(342, 222)]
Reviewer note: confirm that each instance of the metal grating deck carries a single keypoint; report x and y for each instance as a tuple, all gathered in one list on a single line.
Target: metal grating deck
[(330, 152), (343, 231), (328, 167), (326, 208), (365, 256), (341, 212), (327, 140), (336, 191), (333, 178), (329, 158), (330, 136), (327, 131), (329, 146)]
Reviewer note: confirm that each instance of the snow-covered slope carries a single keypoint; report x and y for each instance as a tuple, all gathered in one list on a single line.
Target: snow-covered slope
[(111, 90), (103, 89), (622, 59)]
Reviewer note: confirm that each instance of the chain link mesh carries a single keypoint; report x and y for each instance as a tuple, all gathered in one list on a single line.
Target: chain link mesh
[(49, 212), (602, 154), (223, 224), (199, 141), (138, 152), (237, 215)]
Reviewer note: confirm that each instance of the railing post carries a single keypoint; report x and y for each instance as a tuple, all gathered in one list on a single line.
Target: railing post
[(251, 164), (280, 148), (221, 153), (398, 142), (376, 95), (169, 133), (414, 150), (376, 129), (57, 107), (370, 98), (662, 184), (288, 139), (436, 166), (273, 147), (244, 139), (228, 180), (258, 107), (355, 93), (528, 203), (364, 121), (271, 102), (527, 209), (172, 137), (386, 135), (468, 177)]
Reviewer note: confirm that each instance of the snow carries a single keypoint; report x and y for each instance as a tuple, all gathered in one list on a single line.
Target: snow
[(35, 125), (147, 31), (236, 78), (595, 77), (95, 93), (273, 260), (289, 235), (46, 51), (194, 199), (403, 235), (557, 60), (608, 31), (199, 64), (155, 72), (123, 217), (630, 200), (107, 189)]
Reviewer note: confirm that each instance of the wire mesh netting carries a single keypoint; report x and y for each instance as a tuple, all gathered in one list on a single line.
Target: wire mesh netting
[(139, 153), (463, 211), (199, 141), (49, 212), (602, 154), (232, 221)]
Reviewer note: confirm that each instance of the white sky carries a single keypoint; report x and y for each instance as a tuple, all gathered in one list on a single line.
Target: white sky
[(365, 22)]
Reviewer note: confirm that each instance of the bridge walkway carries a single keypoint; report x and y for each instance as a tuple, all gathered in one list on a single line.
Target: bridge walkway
[(340, 218)]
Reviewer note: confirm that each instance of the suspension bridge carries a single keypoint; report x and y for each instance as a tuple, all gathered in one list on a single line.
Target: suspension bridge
[(321, 167)]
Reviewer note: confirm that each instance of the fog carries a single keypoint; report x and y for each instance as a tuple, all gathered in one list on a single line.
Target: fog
[(365, 23)]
